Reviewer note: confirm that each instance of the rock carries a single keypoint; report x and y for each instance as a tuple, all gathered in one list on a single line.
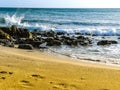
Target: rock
[(50, 41), (6, 42), (36, 43), (81, 37), (118, 37), (57, 43), (74, 43), (113, 42), (4, 35), (84, 43), (106, 42), (17, 32), (51, 33), (25, 46)]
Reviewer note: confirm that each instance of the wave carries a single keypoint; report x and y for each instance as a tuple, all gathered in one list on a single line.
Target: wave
[(13, 19), (71, 23), (22, 22), (96, 32)]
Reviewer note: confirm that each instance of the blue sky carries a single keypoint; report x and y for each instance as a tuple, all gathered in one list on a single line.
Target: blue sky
[(61, 3)]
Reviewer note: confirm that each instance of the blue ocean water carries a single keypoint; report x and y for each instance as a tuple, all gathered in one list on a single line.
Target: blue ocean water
[(101, 22), (95, 21)]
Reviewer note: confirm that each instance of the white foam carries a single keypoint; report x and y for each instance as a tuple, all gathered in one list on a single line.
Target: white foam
[(13, 19)]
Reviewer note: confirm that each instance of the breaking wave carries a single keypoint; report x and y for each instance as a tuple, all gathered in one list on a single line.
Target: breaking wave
[(23, 22)]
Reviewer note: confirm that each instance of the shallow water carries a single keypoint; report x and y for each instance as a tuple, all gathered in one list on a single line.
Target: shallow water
[(105, 54)]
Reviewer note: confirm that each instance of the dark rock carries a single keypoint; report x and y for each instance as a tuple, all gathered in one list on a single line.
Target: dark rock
[(81, 37), (6, 42), (36, 43), (113, 42), (118, 37), (4, 35), (57, 43), (75, 43), (84, 43), (51, 33), (103, 42), (17, 32), (106, 42), (25, 46)]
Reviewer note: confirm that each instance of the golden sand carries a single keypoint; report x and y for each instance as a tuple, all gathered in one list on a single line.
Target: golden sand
[(32, 70)]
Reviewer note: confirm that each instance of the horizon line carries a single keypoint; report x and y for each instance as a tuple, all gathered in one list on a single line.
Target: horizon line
[(67, 7)]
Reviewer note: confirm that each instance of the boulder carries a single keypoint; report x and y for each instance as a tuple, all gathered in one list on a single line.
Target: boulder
[(113, 42), (103, 42), (25, 46), (85, 43), (36, 43), (4, 35), (106, 42), (51, 33), (57, 43)]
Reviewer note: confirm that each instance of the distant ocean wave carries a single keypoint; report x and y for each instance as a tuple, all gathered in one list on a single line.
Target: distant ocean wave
[(70, 23)]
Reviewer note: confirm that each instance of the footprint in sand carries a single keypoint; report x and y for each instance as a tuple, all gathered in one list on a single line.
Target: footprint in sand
[(10, 73), (3, 78), (25, 82), (5, 72), (104, 89), (63, 85), (37, 76)]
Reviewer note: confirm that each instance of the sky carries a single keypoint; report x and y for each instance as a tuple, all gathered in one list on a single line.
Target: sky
[(61, 3)]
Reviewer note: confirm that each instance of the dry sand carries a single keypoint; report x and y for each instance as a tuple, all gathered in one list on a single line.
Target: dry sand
[(32, 70)]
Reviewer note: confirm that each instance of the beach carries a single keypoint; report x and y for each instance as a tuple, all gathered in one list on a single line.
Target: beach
[(48, 49), (33, 70)]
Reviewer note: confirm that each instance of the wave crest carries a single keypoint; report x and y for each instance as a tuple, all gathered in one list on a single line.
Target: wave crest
[(14, 19)]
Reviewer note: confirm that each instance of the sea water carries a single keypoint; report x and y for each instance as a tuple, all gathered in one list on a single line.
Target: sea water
[(99, 22)]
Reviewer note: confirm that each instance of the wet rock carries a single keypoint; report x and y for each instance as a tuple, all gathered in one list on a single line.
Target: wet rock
[(113, 42), (57, 43), (74, 43), (25, 46), (61, 32), (81, 37), (6, 42), (4, 35), (85, 43), (51, 33), (36, 43), (106, 42), (118, 37)]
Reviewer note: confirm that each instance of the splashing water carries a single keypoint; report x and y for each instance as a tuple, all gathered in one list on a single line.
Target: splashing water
[(10, 20)]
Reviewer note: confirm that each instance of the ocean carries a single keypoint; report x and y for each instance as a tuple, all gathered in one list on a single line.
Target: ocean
[(100, 22)]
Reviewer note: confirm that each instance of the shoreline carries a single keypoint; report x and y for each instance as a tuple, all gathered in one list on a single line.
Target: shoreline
[(82, 58), (64, 58)]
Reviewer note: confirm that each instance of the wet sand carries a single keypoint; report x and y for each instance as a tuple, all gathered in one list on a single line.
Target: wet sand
[(32, 70)]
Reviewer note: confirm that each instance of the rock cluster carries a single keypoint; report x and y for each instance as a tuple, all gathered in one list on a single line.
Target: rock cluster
[(9, 36)]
